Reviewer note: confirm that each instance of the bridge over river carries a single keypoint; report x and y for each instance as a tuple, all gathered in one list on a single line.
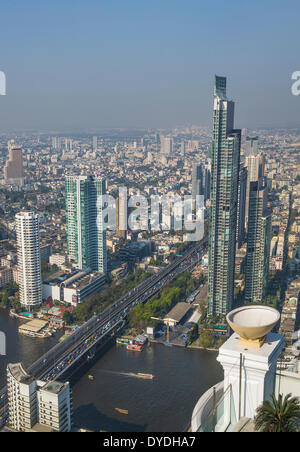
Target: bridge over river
[(101, 327)]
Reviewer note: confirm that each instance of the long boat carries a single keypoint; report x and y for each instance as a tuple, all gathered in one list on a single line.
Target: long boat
[(137, 348), (121, 340), (121, 411), (147, 376)]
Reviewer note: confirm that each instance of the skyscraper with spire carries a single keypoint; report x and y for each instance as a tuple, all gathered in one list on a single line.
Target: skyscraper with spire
[(225, 163)]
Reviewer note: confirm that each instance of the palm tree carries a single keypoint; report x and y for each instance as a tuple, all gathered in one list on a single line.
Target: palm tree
[(282, 415)]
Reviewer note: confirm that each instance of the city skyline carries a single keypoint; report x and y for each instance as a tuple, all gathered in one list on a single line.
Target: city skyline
[(149, 218), (149, 272)]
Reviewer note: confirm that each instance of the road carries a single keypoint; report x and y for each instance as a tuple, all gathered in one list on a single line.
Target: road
[(63, 355)]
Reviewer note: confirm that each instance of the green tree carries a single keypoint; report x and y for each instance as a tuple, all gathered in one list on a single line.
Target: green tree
[(278, 415), (15, 304), (160, 304), (193, 334), (44, 267), (5, 299), (206, 339), (11, 288), (220, 342), (68, 318)]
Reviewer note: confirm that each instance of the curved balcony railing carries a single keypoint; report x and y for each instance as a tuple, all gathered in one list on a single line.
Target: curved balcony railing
[(214, 411)]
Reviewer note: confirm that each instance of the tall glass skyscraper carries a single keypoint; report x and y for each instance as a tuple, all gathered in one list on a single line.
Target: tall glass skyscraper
[(258, 242), (240, 232), (197, 181), (86, 236), (223, 202), (207, 180), (255, 164)]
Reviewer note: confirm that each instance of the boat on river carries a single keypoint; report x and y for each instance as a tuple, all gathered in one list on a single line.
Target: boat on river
[(146, 376), (121, 411), (137, 348)]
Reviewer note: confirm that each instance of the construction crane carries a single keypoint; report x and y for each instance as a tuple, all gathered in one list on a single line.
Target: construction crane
[(168, 325)]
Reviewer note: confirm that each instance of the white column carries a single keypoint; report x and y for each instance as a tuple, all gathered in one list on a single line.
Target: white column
[(258, 371)]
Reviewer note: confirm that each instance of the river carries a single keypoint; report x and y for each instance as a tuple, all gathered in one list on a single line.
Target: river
[(18, 347), (162, 404)]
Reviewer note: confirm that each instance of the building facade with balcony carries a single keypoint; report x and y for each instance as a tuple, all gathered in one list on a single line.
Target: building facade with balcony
[(29, 259)]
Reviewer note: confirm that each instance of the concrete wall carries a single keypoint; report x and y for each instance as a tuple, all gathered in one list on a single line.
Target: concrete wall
[(51, 291), (287, 382)]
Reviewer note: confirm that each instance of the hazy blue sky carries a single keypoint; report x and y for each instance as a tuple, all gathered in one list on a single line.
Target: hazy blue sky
[(146, 63)]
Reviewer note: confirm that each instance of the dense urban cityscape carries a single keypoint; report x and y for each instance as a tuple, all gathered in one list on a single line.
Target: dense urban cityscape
[(150, 277), (59, 267)]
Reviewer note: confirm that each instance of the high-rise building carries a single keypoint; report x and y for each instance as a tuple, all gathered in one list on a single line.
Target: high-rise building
[(86, 235), (197, 181), (55, 406), (29, 259), (13, 169), (166, 145), (225, 161), (56, 143), (121, 207), (10, 144), (37, 406), (149, 158), (251, 146), (240, 232), (258, 243), (68, 145), (22, 398), (157, 141), (207, 181), (255, 164), (182, 149), (95, 143)]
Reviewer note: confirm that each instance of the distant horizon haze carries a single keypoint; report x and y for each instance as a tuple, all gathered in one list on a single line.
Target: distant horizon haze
[(95, 65)]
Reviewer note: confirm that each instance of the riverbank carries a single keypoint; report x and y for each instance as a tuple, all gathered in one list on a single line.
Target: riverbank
[(197, 347), (132, 333), (21, 348), (33, 327), (191, 347)]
